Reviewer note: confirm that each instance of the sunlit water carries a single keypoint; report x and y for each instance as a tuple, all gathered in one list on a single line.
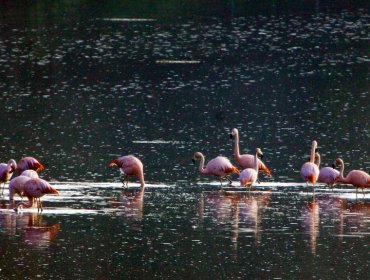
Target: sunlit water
[(80, 90)]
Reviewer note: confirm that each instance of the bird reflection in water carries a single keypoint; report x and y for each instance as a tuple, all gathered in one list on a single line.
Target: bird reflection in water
[(311, 221), (131, 202), (243, 210), (354, 217), (34, 230)]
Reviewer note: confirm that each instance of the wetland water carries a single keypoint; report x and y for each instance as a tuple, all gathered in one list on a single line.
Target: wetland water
[(82, 84)]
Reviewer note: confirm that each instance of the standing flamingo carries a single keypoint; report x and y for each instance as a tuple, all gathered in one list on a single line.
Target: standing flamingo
[(16, 185), (6, 172), (219, 166), (29, 163), (130, 166), (249, 175), (35, 189), (327, 175), (357, 178), (309, 170), (246, 160)]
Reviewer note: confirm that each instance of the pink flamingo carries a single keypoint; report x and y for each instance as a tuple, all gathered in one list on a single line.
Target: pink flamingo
[(219, 166), (327, 175), (357, 178), (246, 160), (249, 175), (27, 163), (6, 172), (309, 170), (130, 166), (16, 185), (35, 189)]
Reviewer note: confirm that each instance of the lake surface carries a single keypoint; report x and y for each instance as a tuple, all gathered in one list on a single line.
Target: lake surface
[(82, 83)]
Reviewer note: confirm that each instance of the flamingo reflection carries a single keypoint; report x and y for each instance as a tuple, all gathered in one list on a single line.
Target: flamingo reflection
[(33, 229), (131, 203), (244, 211), (311, 219)]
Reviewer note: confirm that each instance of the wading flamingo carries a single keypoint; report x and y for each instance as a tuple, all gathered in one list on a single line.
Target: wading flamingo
[(16, 185), (327, 175), (6, 172), (357, 178), (219, 166), (246, 160), (35, 189), (130, 166), (309, 170), (27, 163), (250, 175)]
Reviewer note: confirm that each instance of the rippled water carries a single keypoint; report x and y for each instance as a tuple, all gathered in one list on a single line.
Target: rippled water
[(83, 84)]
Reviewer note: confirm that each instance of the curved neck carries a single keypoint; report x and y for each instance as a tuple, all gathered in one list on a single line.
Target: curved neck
[(312, 155), (28, 204), (236, 146), (318, 159), (201, 165), (341, 176)]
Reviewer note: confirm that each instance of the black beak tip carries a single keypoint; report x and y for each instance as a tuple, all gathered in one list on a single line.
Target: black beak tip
[(193, 160), (231, 136), (333, 166)]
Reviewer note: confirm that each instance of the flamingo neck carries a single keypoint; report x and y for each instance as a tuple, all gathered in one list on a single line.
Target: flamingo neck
[(236, 147), (256, 162), (28, 204), (318, 159), (201, 166), (312, 155), (341, 174)]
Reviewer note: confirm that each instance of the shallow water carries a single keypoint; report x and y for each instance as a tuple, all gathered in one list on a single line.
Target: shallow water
[(83, 83)]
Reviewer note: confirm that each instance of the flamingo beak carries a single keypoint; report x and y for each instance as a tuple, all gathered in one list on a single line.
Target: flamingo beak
[(333, 166), (193, 160), (231, 136)]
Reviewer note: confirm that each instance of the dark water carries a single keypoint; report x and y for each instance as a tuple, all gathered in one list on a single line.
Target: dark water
[(82, 83)]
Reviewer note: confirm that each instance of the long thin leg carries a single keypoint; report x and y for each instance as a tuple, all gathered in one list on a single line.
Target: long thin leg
[(228, 178)]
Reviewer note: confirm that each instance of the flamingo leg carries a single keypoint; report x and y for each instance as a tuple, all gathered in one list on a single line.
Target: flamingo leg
[(125, 181), (228, 178), (2, 189)]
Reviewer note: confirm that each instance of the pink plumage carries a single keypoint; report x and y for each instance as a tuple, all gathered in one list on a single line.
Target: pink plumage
[(29, 163), (35, 189), (357, 178), (328, 175), (130, 166), (246, 160), (218, 166), (309, 170), (6, 172)]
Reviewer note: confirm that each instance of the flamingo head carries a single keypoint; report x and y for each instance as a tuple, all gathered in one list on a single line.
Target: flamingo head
[(12, 164), (338, 162), (234, 132), (197, 156), (113, 163), (314, 144), (259, 153)]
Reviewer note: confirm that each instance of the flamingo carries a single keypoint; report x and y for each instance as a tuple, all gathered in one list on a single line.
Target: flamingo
[(327, 175), (357, 178), (249, 175), (130, 166), (27, 163), (246, 160), (219, 166), (309, 170), (35, 189), (16, 185), (6, 172)]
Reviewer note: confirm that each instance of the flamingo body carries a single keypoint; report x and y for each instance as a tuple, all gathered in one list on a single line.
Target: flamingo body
[(16, 186), (246, 160), (309, 170), (130, 166), (248, 177), (35, 189), (30, 173), (29, 163), (218, 166), (6, 172), (328, 175), (357, 178)]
